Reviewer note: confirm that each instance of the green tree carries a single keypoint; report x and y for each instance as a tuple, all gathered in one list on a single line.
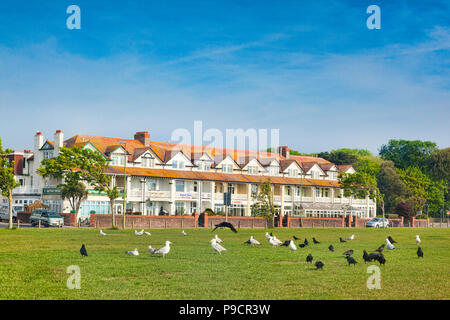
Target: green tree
[(75, 192), (407, 153), (417, 184), (7, 180), (439, 165), (368, 164), (338, 157), (263, 201), (391, 185)]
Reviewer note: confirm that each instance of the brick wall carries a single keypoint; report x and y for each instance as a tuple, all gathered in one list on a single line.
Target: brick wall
[(238, 222), (24, 217), (144, 222), (70, 219), (309, 222)]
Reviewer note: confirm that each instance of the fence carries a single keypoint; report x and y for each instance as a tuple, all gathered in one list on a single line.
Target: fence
[(144, 222)]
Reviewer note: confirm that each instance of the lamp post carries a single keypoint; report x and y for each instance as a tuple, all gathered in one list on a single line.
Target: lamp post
[(124, 184)]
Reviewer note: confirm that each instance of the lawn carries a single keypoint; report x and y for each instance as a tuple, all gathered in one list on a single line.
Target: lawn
[(33, 264)]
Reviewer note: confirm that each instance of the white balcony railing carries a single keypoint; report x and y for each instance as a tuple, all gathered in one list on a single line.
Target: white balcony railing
[(26, 190)]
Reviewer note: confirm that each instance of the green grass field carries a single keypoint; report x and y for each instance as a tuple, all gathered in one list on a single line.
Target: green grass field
[(33, 265)]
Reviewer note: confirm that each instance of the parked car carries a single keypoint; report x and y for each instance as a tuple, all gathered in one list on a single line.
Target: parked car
[(4, 213), (377, 223), (47, 218)]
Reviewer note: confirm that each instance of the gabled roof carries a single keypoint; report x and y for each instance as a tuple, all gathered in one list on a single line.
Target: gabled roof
[(344, 167), (48, 145)]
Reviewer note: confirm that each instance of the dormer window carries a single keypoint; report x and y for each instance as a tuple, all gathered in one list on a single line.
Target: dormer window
[(177, 164), (273, 171), (48, 154), (293, 173), (203, 166), (228, 168), (252, 170), (148, 162), (117, 159), (315, 174)]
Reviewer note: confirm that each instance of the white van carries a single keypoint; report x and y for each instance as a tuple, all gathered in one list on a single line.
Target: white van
[(4, 213)]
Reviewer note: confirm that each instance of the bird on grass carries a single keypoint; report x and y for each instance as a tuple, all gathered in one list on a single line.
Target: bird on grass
[(419, 253), (380, 258), (139, 233), (366, 257), (271, 234), (274, 241), (218, 240), (348, 253), (150, 249), (147, 233), (83, 251), (319, 265), (295, 238), (135, 252), (306, 242), (351, 260), (309, 258), (252, 241), (315, 241), (351, 237), (342, 240), (183, 233), (331, 248), (391, 240), (102, 233), (292, 246), (380, 248), (302, 245), (389, 245), (418, 239), (268, 235), (286, 243), (217, 247), (164, 250), (225, 225)]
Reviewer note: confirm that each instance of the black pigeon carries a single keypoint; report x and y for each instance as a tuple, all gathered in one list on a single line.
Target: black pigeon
[(315, 241), (309, 258), (331, 248), (225, 225), (302, 245), (351, 260), (380, 248), (286, 243), (373, 256), (295, 238), (391, 240), (419, 253), (319, 265), (341, 240), (348, 253), (366, 257), (306, 242), (378, 257), (83, 251)]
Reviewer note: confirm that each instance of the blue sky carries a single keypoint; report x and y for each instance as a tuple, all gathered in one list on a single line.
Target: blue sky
[(309, 68)]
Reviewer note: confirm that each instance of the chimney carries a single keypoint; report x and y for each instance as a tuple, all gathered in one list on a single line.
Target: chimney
[(284, 151), (143, 137), (38, 141), (59, 141)]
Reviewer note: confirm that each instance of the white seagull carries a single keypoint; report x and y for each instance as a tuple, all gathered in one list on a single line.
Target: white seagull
[(164, 250), (134, 252), (183, 233), (140, 233), (217, 246), (268, 235), (254, 241), (150, 249), (147, 233), (218, 240), (418, 239), (102, 233), (389, 245), (292, 246), (277, 240), (273, 242), (351, 237)]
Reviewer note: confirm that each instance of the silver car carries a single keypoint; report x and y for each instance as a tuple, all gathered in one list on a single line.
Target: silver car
[(377, 223)]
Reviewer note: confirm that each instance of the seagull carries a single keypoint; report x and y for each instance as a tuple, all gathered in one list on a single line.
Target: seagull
[(419, 253), (351, 237), (183, 233), (389, 245), (341, 240), (83, 251), (164, 250), (292, 246), (331, 248), (417, 239), (225, 225), (295, 238), (380, 248), (277, 240), (218, 240), (351, 260), (140, 233), (147, 233), (309, 258), (391, 240), (151, 250), (348, 253), (252, 241), (217, 246), (273, 242), (268, 235), (319, 265), (134, 252), (102, 233), (315, 241)]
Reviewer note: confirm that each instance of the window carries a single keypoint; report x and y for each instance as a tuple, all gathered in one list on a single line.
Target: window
[(151, 184), (177, 164), (273, 171), (292, 172), (254, 188), (315, 174), (195, 186), (48, 154), (252, 170), (297, 191), (179, 185), (117, 159), (180, 207), (231, 188), (227, 168), (203, 166), (317, 192), (148, 162)]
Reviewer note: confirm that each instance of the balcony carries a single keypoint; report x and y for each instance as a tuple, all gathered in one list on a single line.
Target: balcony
[(26, 191)]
